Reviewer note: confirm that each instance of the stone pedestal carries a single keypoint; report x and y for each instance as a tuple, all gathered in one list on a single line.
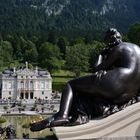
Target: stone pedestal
[(125, 123)]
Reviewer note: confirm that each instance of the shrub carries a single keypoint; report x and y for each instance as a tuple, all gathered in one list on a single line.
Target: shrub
[(2, 120)]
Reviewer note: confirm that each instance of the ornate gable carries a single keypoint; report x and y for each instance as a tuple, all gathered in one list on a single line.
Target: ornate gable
[(26, 71)]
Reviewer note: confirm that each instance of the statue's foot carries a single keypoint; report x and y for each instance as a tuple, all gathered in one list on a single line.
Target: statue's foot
[(38, 126), (59, 121)]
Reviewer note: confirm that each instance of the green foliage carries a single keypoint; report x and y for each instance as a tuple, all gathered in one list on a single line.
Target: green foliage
[(63, 73), (79, 40), (125, 38), (94, 50), (88, 38), (2, 120), (52, 36), (77, 58), (62, 43), (134, 33), (49, 57), (26, 125), (6, 51), (17, 46), (78, 18), (31, 53), (26, 28), (5, 108), (14, 63)]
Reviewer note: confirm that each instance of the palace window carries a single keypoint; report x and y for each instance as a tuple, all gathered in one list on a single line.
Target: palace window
[(26, 84), (31, 95), (42, 84), (49, 85), (31, 84), (42, 92), (21, 95), (9, 85), (22, 84), (5, 85), (26, 95)]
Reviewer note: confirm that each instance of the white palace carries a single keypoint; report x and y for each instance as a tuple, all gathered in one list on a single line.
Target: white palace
[(25, 83)]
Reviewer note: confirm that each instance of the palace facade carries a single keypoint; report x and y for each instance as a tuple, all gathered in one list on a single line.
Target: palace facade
[(25, 83)]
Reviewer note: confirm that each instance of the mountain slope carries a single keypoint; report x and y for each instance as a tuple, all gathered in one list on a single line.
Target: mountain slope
[(67, 17)]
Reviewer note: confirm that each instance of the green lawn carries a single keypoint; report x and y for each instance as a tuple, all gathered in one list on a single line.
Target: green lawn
[(63, 73), (67, 73), (59, 83), (61, 77)]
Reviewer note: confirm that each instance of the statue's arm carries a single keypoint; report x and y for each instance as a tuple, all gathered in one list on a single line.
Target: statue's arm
[(98, 61), (107, 62), (101, 56)]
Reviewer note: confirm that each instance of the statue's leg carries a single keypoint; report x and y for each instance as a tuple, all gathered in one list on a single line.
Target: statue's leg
[(59, 118), (65, 106), (83, 85)]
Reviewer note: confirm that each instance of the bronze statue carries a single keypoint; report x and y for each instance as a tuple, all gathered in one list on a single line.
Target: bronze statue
[(115, 81)]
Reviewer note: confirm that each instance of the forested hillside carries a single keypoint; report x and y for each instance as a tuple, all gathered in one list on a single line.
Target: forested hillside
[(48, 32), (66, 17)]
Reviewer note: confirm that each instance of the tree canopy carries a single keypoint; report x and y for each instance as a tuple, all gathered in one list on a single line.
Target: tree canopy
[(77, 58), (134, 33), (49, 56)]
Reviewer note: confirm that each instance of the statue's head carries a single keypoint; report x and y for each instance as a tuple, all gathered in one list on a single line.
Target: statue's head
[(112, 37)]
